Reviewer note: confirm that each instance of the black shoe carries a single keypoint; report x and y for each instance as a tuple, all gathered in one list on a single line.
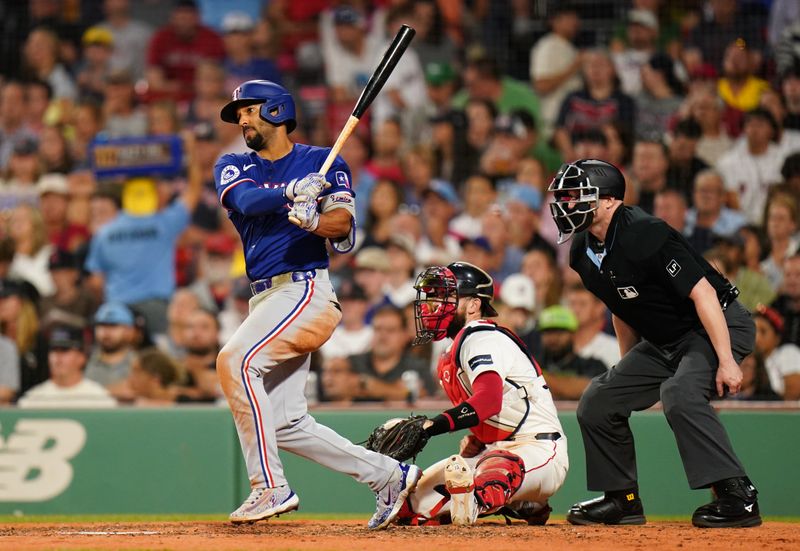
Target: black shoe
[(527, 513), (735, 506), (608, 510)]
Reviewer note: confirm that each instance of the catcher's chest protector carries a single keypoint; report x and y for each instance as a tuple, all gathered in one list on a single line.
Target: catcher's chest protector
[(457, 386)]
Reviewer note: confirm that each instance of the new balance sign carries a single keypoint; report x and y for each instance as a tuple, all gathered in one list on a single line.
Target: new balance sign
[(35, 458)]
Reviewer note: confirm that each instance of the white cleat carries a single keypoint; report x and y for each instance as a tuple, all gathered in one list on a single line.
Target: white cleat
[(263, 503), (461, 487)]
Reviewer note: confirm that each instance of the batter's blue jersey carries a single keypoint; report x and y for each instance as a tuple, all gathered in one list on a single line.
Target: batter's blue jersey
[(272, 244)]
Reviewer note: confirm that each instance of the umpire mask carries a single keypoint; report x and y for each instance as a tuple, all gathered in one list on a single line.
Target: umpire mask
[(575, 201), (435, 305)]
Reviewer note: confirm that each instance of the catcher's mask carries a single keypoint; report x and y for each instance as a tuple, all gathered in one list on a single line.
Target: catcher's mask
[(436, 303), (577, 188)]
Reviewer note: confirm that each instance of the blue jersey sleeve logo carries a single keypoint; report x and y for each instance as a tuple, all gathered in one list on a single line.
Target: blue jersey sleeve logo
[(341, 179), (228, 174)]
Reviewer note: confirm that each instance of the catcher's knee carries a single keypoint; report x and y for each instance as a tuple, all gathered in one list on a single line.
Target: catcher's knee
[(498, 476)]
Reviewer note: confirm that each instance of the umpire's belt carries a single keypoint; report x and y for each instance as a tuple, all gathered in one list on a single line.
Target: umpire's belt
[(268, 283)]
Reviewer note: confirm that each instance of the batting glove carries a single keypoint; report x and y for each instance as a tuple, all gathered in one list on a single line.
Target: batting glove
[(304, 213), (310, 186)]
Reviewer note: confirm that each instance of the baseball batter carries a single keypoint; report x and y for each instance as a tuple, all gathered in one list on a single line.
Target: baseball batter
[(264, 366), (516, 456)]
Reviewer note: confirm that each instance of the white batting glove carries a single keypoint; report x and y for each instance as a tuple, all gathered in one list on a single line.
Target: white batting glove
[(304, 213), (310, 186)]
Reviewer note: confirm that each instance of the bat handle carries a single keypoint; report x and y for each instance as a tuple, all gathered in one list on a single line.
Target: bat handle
[(351, 124)]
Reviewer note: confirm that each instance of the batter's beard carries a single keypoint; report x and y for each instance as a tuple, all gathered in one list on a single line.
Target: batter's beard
[(457, 324), (256, 143)]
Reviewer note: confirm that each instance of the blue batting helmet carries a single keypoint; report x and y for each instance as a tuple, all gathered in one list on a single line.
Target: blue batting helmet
[(277, 108)]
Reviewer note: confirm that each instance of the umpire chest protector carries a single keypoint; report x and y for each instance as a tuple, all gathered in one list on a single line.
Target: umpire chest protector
[(644, 272), (517, 396)]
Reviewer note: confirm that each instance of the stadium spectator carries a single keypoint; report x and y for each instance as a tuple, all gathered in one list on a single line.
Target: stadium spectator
[(388, 371), (555, 63), (402, 272), (782, 361), (590, 340), (739, 88), (781, 225), (95, 66), (31, 249), (113, 351), (513, 138), (478, 251), (210, 93), (19, 321), (706, 108), (54, 152), (540, 266), (441, 81), (41, 61), (631, 63), (517, 309), (349, 51), (87, 122), (130, 37), (522, 205), (356, 153), (176, 49), (387, 143), (479, 194), (384, 199), (567, 373), (199, 363), (122, 115), (434, 40), (709, 217), (241, 62), (670, 205), (440, 204), (755, 381), (649, 170), (54, 201), (598, 103), (723, 23), (13, 128), (183, 302), (481, 115), (352, 336), (339, 383), (236, 308), (9, 371), (684, 165), (151, 377), (70, 298), (787, 304), (39, 96), (131, 259), (753, 165), (456, 159), (66, 386), (371, 273), (212, 283), (591, 144), (790, 87)]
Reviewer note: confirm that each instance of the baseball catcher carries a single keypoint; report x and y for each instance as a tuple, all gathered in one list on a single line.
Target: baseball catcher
[(516, 455)]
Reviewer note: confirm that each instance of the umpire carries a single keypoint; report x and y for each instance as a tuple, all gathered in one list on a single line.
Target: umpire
[(681, 334)]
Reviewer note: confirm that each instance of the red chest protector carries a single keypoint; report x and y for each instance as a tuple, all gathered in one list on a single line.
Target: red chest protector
[(455, 382)]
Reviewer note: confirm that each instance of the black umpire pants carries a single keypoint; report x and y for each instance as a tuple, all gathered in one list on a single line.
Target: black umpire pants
[(681, 375)]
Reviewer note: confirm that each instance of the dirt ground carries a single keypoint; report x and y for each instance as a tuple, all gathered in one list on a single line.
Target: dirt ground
[(279, 534)]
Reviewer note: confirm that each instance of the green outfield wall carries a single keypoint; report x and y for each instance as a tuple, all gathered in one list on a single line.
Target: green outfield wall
[(187, 460)]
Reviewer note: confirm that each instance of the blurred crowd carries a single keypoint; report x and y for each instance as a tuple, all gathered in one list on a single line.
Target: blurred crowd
[(122, 294)]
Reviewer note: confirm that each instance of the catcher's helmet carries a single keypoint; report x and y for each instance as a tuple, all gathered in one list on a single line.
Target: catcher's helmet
[(277, 108), (438, 290), (577, 188)]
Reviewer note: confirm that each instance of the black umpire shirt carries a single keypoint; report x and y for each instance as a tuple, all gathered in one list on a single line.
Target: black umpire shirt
[(644, 273)]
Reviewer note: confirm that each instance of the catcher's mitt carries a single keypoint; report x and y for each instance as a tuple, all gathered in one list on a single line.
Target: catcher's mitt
[(399, 438)]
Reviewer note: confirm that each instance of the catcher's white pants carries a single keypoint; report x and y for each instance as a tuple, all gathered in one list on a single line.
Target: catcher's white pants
[(546, 466), (263, 370)]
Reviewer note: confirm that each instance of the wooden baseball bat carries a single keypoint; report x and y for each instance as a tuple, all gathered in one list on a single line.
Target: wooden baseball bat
[(388, 62)]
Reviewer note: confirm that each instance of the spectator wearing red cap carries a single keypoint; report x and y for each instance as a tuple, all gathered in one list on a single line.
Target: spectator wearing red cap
[(781, 360)]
